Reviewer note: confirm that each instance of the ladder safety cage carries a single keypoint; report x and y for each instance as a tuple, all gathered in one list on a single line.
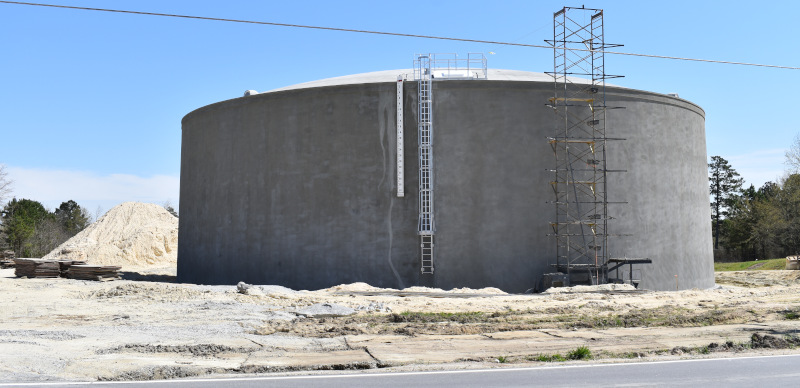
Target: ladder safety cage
[(425, 226), (427, 68)]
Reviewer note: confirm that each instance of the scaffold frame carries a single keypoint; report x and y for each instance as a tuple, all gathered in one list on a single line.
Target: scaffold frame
[(579, 143)]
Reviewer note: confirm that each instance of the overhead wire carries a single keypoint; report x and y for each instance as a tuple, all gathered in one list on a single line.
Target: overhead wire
[(391, 34)]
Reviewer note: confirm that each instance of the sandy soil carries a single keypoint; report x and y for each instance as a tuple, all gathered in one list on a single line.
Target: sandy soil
[(151, 328)]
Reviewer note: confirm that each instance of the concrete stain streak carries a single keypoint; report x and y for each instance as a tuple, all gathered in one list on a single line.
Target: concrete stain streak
[(384, 127), (391, 234)]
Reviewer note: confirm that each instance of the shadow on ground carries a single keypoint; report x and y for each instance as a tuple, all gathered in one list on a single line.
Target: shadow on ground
[(140, 277)]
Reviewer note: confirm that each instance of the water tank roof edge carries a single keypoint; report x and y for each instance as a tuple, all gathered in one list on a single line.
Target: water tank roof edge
[(390, 76)]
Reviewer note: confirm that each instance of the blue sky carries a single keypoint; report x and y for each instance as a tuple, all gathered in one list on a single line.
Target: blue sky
[(91, 102)]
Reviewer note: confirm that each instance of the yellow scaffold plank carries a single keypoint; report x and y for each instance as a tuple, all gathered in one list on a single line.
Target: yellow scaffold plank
[(586, 100), (552, 141)]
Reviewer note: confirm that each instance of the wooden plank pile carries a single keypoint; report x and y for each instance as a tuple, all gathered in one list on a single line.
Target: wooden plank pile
[(7, 259), (93, 272), (63, 266), (36, 268)]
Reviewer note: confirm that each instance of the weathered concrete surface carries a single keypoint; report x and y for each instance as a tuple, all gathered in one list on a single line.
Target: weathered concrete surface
[(666, 189), (296, 187)]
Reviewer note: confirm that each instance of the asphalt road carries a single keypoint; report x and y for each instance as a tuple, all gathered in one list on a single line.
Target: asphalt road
[(768, 371)]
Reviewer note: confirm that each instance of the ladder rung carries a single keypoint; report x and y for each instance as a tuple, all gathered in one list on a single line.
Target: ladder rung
[(425, 126)]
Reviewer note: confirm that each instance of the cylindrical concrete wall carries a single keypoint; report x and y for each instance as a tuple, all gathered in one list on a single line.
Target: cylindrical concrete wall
[(297, 186)]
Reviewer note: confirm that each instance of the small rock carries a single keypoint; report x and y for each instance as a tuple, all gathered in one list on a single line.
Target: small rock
[(248, 289), (375, 307)]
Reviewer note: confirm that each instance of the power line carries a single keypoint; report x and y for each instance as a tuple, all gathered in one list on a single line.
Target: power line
[(390, 34)]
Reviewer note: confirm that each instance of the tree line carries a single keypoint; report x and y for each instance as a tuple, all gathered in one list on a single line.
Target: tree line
[(30, 230), (751, 223)]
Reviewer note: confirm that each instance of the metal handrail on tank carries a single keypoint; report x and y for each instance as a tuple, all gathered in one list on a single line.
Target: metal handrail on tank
[(448, 66)]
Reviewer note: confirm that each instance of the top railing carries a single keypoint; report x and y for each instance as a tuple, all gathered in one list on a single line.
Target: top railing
[(449, 66)]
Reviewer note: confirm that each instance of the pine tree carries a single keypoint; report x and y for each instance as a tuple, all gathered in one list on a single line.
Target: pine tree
[(725, 186)]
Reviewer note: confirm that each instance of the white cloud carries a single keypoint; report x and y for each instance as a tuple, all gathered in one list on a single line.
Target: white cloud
[(759, 166), (90, 190)]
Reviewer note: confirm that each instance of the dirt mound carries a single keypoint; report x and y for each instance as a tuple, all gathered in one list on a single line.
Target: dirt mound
[(130, 234), (353, 287), (599, 288)]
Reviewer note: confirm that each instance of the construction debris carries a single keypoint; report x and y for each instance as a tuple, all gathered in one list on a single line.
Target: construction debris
[(93, 272), (793, 263)]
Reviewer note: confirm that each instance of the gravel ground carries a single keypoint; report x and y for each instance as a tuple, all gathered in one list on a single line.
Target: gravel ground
[(62, 330)]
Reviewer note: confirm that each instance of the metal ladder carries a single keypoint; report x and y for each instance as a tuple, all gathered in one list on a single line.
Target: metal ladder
[(425, 227)]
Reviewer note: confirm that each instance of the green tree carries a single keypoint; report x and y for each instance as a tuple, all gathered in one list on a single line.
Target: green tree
[(740, 223), (724, 186), (72, 217), (20, 219), (756, 222), (788, 204)]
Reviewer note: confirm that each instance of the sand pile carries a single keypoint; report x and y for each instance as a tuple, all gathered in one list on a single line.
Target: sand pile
[(364, 287), (131, 234)]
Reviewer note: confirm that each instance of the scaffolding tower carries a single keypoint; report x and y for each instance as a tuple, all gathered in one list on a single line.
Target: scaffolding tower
[(579, 142)]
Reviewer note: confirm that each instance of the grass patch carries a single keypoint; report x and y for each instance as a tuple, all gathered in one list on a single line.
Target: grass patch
[(502, 359), (759, 265), (660, 316), (581, 353), (424, 317), (548, 358), (791, 315)]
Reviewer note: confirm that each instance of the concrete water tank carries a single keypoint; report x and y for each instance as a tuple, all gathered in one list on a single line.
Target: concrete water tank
[(296, 186)]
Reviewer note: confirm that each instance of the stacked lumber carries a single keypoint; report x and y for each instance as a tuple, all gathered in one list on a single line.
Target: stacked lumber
[(7, 259), (63, 266), (36, 268), (93, 272)]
